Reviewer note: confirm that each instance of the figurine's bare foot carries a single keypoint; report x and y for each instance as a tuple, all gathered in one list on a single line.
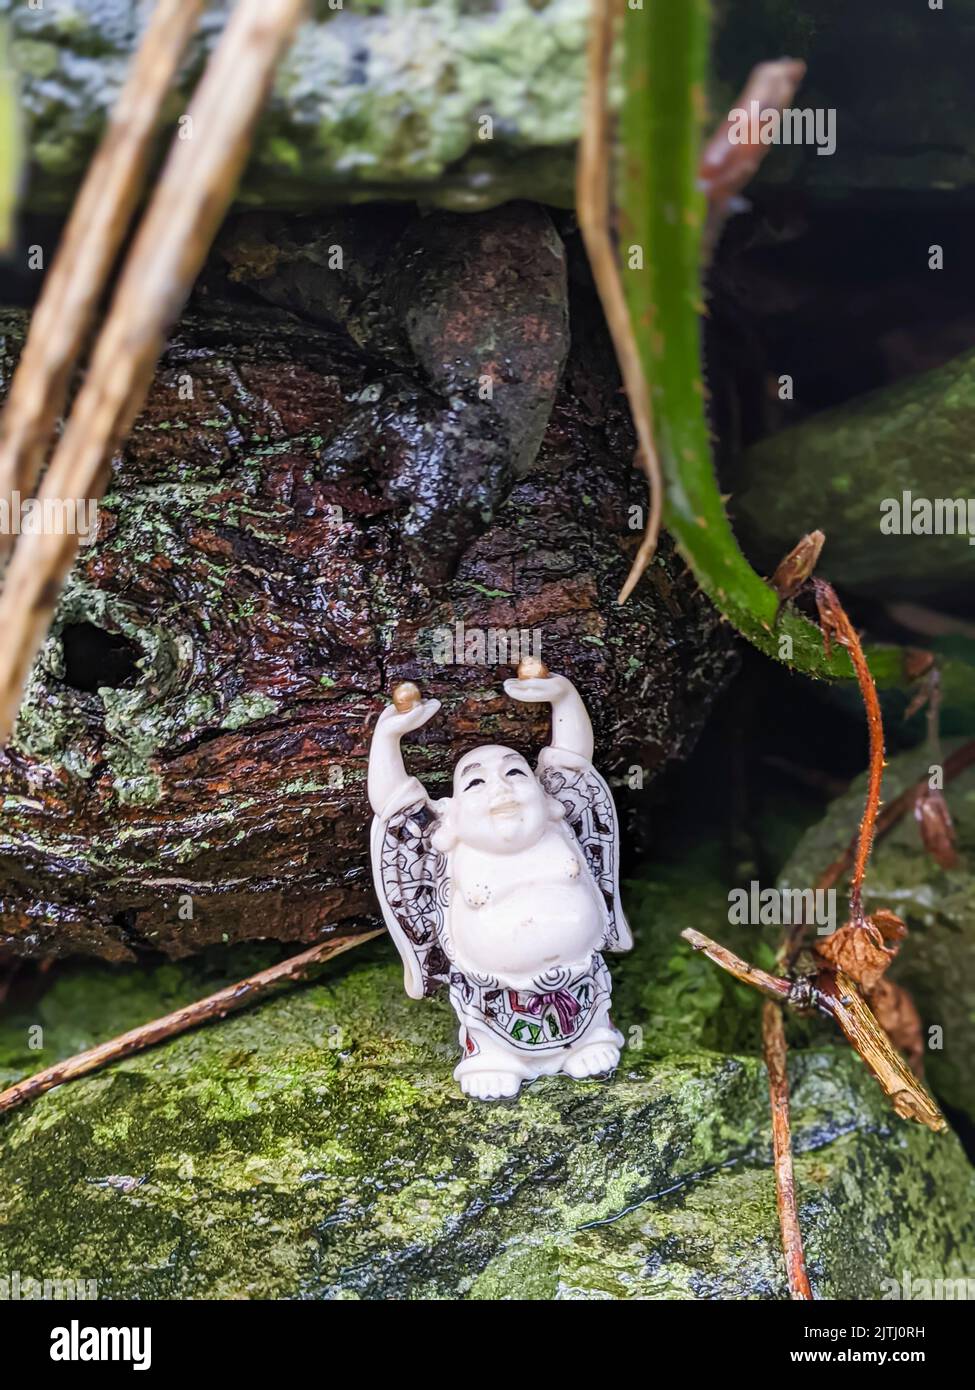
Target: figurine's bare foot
[(489, 1085), (593, 1060)]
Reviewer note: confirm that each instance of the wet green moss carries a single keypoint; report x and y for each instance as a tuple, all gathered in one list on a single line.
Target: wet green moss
[(316, 1146), (461, 106), (710, 1239)]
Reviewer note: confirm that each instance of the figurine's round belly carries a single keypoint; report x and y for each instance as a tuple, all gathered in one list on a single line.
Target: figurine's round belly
[(528, 931)]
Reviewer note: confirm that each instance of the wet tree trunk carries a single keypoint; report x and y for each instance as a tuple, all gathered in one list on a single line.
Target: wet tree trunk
[(305, 513)]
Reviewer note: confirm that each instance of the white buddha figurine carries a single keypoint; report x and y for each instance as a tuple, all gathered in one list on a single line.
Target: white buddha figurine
[(507, 891)]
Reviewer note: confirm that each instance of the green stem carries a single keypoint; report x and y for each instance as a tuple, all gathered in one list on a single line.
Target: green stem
[(662, 212)]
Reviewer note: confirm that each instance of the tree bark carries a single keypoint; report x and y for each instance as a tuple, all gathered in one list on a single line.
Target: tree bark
[(306, 513)]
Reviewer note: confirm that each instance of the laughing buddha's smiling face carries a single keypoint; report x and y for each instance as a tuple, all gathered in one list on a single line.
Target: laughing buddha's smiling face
[(498, 804)]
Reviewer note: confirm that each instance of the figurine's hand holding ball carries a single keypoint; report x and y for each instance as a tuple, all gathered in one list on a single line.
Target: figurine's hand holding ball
[(407, 712), (535, 685), (406, 696)]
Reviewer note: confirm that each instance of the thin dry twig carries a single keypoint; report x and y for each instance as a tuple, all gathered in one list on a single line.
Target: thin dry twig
[(770, 985), (838, 995), (189, 201), (89, 244), (218, 1005), (837, 627), (954, 765), (593, 208), (791, 575), (775, 1051)]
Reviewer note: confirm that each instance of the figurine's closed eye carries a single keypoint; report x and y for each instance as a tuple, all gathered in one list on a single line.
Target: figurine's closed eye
[(474, 782), (517, 772)]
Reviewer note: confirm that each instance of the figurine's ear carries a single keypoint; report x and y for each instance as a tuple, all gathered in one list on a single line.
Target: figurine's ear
[(444, 837), (556, 810)]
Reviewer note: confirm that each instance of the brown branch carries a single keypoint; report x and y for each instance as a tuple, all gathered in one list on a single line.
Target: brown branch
[(193, 193), (833, 991), (592, 206), (955, 764), (837, 626), (770, 985), (89, 244), (775, 1049), (225, 1001), (790, 576), (837, 995), (778, 992)]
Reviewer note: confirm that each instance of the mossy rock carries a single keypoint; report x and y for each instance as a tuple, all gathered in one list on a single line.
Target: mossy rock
[(458, 104), (297, 514), (316, 1147), (937, 960), (844, 468), (464, 104)]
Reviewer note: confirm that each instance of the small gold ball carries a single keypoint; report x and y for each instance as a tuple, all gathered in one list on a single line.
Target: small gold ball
[(405, 696), (532, 668)]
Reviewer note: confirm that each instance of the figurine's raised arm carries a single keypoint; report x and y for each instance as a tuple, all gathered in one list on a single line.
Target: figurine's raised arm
[(571, 729), (388, 777)]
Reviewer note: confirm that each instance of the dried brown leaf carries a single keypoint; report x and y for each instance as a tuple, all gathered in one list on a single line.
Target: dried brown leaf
[(891, 927), (864, 950), (793, 571), (917, 662), (729, 163), (937, 828)]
